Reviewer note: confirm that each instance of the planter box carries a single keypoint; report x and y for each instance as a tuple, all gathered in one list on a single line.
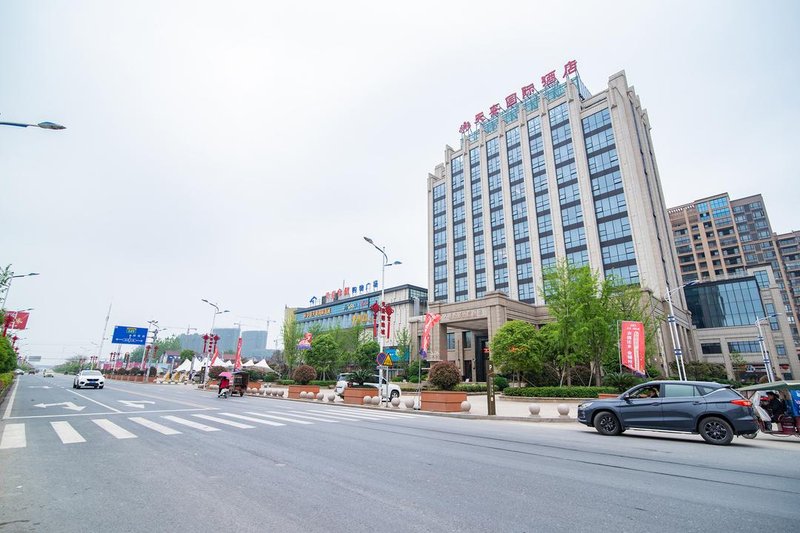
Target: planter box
[(355, 395), (295, 390), (442, 401), (603, 395)]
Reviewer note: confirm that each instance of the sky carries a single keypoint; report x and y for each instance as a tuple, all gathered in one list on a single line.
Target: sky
[(239, 151)]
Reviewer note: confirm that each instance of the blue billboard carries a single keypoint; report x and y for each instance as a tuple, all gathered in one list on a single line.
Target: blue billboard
[(129, 335)]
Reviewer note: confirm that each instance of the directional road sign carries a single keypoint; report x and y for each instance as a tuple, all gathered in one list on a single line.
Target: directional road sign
[(129, 335)]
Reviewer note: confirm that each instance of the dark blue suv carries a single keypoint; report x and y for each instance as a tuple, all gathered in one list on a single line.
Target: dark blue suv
[(715, 411)]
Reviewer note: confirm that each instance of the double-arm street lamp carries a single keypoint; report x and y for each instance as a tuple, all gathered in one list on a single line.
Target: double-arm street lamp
[(8, 286), (213, 321), (384, 263), (764, 351), (673, 331)]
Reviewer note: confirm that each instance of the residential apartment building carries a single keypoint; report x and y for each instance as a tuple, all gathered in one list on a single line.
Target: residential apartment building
[(559, 175), (717, 238)]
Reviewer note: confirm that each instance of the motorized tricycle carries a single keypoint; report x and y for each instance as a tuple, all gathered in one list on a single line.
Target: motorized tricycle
[(785, 425), (237, 384)]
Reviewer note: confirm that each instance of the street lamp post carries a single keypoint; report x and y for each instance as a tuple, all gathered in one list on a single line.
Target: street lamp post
[(42, 125), (213, 321), (673, 331), (764, 351), (10, 279), (381, 337)]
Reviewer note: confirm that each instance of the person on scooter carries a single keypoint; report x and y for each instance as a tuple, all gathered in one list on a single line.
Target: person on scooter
[(775, 406), (224, 383)]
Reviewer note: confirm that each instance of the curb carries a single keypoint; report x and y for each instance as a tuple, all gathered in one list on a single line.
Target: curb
[(466, 416)]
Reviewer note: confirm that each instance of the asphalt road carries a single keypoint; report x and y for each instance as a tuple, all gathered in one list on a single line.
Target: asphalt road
[(190, 461)]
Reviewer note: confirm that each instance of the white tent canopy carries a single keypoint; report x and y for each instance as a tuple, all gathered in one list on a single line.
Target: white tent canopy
[(249, 363), (183, 367), (263, 365)]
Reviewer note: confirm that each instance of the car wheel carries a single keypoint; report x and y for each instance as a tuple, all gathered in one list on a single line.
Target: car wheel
[(607, 423), (394, 394), (715, 430), (100, 387)]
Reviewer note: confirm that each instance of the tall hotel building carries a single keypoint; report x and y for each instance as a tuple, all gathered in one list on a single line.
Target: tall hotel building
[(561, 174)]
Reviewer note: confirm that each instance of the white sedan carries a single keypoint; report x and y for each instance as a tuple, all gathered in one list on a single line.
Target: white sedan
[(88, 378)]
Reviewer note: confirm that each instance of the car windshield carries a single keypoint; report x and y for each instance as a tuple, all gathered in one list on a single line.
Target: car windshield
[(92, 373)]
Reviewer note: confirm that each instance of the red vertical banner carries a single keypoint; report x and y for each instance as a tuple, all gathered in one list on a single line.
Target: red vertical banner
[(632, 346), (237, 364)]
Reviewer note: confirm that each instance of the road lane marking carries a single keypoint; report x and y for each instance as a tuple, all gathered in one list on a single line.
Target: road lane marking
[(111, 414), (113, 429), (195, 425), (349, 416), (251, 419), (67, 433), (226, 422), (319, 418), (155, 426), (13, 437), (373, 414), (163, 398), (66, 405), (95, 401), (292, 420), (11, 399), (139, 404)]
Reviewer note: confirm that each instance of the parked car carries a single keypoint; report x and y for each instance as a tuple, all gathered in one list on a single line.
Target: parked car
[(19, 372), (715, 411), (391, 390), (48, 374), (32, 371), (88, 378)]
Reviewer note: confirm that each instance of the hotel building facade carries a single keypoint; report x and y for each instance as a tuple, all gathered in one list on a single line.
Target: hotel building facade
[(561, 174)]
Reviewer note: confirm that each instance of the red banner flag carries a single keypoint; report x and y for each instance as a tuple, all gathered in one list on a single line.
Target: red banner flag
[(430, 321), (632, 348), (214, 357), (237, 364), (16, 319)]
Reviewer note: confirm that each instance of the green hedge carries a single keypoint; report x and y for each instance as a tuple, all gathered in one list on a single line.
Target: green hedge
[(323, 383), (5, 379), (559, 392), (286, 382), (471, 387)]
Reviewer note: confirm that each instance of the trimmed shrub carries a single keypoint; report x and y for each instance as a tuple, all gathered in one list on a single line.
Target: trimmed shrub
[(270, 377), (5, 379), (559, 392), (471, 387), (500, 383), (286, 382), (303, 374), (444, 375), (322, 383), (621, 381)]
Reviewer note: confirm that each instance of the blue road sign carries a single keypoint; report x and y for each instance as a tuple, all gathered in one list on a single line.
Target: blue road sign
[(129, 335)]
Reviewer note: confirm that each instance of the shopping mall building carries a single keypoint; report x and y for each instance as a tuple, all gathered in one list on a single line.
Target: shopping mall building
[(558, 174)]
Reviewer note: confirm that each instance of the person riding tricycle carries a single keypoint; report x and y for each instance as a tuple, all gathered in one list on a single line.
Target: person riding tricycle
[(777, 402)]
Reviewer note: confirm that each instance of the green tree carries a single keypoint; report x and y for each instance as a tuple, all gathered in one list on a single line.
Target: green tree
[(515, 348), (323, 354), (186, 354), (167, 344), (291, 333), (8, 358), (366, 354), (403, 338)]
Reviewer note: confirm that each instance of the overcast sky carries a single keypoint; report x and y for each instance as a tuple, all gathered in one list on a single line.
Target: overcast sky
[(238, 151)]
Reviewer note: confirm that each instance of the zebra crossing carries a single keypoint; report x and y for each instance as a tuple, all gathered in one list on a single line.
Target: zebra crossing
[(15, 434)]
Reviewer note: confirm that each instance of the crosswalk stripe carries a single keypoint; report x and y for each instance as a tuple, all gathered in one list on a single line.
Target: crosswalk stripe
[(155, 426), (67, 433), (299, 415), (226, 422), (113, 429), (292, 420), (13, 437), (190, 423), (251, 419), (353, 416)]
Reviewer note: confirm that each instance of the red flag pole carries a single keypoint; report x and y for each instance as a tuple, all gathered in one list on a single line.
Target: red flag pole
[(237, 364)]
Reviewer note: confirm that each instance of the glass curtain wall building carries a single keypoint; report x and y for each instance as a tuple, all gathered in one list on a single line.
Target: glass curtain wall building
[(558, 175)]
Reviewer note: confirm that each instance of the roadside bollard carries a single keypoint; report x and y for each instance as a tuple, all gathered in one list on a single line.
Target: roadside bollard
[(331, 397), (465, 406), (395, 402), (367, 400), (409, 403), (376, 400), (534, 409), (563, 410), (320, 396)]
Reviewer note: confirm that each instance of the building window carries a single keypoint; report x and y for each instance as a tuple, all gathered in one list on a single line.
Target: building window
[(497, 218), (607, 183), (596, 121), (525, 291), (440, 290), (568, 194), (460, 267), (744, 347), (547, 245), (521, 230), (524, 271), (498, 237), (480, 261), (500, 257), (599, 140), (610, 206), (523, 250), (617, 253), (561, 134), (563, 153), (625, 275), (578, 259), (559, 114), (725, 303), (545, 223), (574, 238), (604, 161), (566, 173), (711, 348), (519, 210), (500, 276), (615, 229), (542, 203), (571, 215)]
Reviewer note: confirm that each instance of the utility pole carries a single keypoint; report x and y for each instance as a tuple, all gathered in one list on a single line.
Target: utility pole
[(103, 337)]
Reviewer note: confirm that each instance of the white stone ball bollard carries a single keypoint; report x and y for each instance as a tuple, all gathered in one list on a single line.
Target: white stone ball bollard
[(320, 396), (534, 409), (409, 403), (376, 400), (465, 406), (395, 402), (367, 400), (331, 397), (563, 409), (303, 395)]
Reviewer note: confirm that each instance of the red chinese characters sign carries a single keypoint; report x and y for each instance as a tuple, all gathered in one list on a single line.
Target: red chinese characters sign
[(528, 91), (632, 346)]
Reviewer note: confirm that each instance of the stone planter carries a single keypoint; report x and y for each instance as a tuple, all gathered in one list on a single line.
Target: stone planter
[(355, 395), (295, 390), (442, 401)]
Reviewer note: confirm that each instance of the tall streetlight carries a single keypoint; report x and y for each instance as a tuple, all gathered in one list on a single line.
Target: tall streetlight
[(384, 263), (10, 279), (673, 331), (213, 321), (764, 351), (43, 125)]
